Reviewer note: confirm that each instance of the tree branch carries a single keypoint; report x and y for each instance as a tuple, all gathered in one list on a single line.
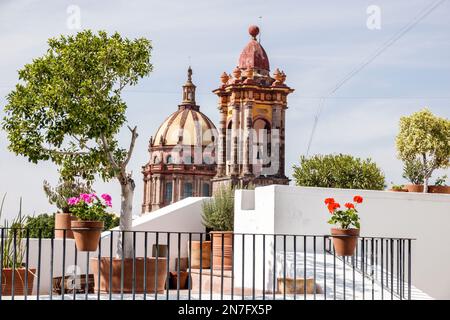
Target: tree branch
[(134, 136), (108, 152)]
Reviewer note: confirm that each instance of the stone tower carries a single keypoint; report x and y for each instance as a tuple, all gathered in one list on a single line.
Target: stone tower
[(252, 106)]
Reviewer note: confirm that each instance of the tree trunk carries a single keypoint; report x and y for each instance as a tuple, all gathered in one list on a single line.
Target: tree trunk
[(125, 241)]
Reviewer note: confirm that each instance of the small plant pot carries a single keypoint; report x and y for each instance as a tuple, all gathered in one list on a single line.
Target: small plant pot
[(203, 258), (63, 222), (227, 254), (439, 189), (19, 281), (87, 234), (161, 249), (414, 187), (154, 268), (345, 241)]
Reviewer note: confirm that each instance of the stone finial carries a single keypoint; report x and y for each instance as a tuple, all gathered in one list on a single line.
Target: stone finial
[(237, 73), (283, 77), (224, 78), (249, 74), (253, 31), (279, 77)]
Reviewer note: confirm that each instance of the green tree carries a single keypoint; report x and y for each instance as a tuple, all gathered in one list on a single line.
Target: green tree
[(68, 108), (338, 171), (426, 138)]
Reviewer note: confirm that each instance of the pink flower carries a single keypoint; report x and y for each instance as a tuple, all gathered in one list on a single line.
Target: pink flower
[(72, 201), (86, 197), (107, 199)]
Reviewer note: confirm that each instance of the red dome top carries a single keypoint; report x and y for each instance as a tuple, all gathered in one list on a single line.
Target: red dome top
[(254, 55)]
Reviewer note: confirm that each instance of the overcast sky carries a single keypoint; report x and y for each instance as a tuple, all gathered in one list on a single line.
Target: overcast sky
[(316, 43)]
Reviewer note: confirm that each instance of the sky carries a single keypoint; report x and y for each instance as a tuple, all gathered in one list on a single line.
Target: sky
[(316, 43)]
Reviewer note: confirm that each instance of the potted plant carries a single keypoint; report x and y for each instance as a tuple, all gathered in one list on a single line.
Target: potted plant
[(13, 268), (398, 188), (200, 254), (58, 196), (440, 186), (345, 234), (90, 210), (423, 138), (413, 172), (218, 215)]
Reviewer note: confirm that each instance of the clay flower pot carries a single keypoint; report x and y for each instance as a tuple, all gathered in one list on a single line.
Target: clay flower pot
[(19, 281), (105, 263), (63, 222), (87, 234), (345, 241), (204, 258), (227, 253), (414, 187), (439, 189)]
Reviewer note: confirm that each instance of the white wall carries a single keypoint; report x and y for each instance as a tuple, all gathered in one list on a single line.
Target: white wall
[(301, 210)]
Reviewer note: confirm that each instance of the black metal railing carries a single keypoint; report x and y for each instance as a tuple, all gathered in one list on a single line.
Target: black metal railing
[(196, 265)]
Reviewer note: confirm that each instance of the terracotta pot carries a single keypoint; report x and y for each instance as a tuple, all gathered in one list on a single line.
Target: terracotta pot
[(162, 250), (345, 241), (204, 258), (19, 281), (183, 280), (105, 264), (414, 187), (227, 253), (439, 189), (87, 234), (63, 222)]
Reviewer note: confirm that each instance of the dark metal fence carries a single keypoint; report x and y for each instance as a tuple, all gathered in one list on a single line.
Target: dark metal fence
[(174, 265)]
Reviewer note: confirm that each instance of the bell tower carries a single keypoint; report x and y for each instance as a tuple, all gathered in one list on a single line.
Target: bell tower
[(252, 106)]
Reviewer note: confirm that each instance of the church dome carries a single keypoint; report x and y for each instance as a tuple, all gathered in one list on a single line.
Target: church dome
[(254, 56), (187, 126)]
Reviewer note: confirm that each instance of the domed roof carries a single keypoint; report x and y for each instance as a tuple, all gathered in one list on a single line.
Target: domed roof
[(254, 55), (187, 127)]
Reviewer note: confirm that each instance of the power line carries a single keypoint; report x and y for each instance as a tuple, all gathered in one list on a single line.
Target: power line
[(420, 16)]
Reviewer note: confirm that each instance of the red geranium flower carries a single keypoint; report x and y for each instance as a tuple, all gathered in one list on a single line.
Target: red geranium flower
[(357, 199), (336, 205), (329, 201), (331, 207), (349, 205)]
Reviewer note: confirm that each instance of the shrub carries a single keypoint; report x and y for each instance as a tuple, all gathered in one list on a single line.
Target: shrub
[(338, 171), (218, 212), (45, 223)]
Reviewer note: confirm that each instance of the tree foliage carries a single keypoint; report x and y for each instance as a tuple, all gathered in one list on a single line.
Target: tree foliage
[(338, 171), (68, 108), (424, 137)]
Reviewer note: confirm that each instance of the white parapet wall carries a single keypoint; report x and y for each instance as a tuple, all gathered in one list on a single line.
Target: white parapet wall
[(182, 216), (300, 210)]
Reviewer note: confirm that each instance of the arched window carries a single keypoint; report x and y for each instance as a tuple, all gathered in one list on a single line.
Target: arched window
[(169, 159), (168, 192), (155, 160), (187, 190), (263, 135)]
